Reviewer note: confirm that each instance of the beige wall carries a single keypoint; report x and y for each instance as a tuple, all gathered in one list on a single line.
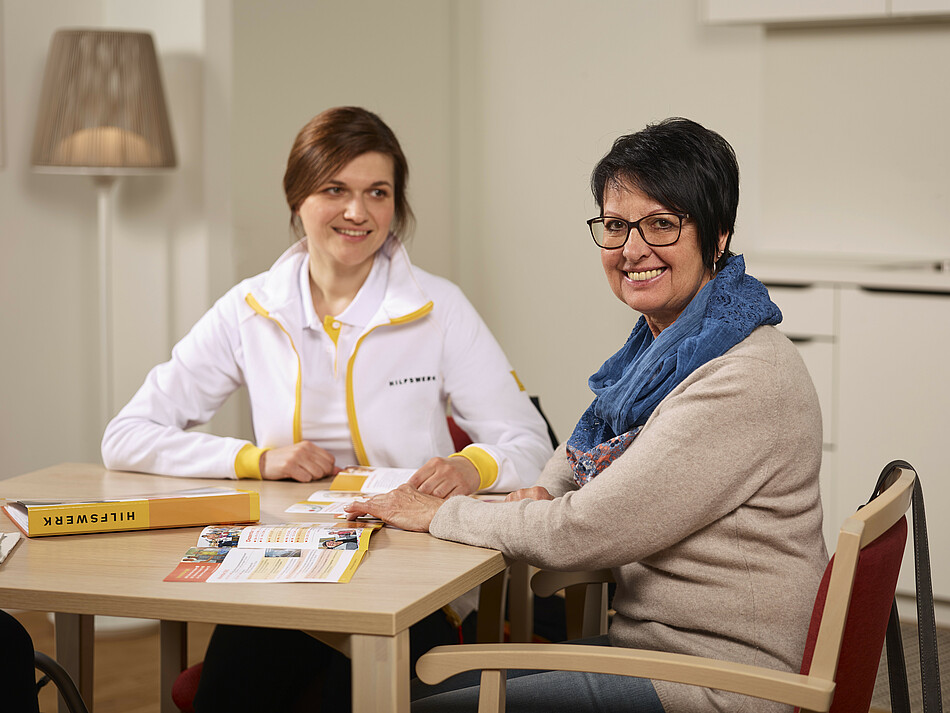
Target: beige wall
[(164, 270), (48, 367), (547, 85), (295, 58), (502, 108)]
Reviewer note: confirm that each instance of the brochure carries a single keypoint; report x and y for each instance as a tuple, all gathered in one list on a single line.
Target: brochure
[(289, 552), (353, 483)]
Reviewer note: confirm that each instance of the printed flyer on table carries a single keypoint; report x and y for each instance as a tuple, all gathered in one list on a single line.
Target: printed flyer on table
[(290, 552)]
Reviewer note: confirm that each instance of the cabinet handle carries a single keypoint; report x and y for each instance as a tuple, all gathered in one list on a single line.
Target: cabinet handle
[(904, 291), (790, 285), (800, 340)]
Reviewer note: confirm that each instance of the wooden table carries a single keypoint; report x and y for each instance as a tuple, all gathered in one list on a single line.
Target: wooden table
[(404, 577)]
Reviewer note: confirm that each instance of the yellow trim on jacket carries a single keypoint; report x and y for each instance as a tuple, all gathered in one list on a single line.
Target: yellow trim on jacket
[(350, 401), (247, 463), (486, 466), (255, 305)]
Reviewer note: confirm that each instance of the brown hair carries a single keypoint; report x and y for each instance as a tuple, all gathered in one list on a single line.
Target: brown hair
[(328, 142)]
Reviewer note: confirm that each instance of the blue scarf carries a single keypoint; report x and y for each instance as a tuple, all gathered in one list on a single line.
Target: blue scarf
[(631, 383)]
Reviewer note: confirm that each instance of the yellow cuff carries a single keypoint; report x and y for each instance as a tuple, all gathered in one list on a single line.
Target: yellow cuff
[(247, 464), (484, 463)]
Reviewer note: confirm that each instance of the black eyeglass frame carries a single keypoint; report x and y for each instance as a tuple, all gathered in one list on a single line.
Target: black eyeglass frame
[(635, 224)]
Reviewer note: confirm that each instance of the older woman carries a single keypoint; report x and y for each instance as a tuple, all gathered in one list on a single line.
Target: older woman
[(325, 342), (693, 475)]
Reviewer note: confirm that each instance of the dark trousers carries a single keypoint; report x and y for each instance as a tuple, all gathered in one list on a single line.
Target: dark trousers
[(259, 670), (17, 675)]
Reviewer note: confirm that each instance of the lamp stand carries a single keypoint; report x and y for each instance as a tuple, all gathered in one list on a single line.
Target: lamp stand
[(105, 188)]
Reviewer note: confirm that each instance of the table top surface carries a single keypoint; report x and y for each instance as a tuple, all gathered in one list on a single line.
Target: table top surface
[(403, 577)]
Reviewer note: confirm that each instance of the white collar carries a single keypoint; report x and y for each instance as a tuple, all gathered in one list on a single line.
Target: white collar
[(363, 307)]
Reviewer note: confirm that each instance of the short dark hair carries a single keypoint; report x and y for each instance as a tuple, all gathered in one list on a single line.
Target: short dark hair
[(332, 139), (684, 166)]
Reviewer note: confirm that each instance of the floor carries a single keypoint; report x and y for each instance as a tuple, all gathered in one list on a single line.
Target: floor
[(127, 666), (881, 700)]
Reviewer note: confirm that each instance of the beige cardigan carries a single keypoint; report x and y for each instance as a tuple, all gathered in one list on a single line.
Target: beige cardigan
[(711, 520)]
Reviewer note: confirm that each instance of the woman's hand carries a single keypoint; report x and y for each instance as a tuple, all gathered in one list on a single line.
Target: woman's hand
[(533, 493), (444, 477), (405, 507), (303, 461)]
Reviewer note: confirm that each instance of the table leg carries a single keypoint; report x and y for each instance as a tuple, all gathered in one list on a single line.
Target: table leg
[(75, 634), (380, 673), (491, 609), (520, 602), (174, 659)]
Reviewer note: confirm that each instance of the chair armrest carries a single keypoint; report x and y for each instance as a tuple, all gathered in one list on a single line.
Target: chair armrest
[(794, 689)]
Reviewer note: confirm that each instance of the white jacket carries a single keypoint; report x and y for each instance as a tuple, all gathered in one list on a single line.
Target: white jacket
[(425, 347)]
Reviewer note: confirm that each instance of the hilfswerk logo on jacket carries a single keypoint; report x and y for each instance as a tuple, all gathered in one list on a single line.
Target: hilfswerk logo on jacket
[(411, 380)]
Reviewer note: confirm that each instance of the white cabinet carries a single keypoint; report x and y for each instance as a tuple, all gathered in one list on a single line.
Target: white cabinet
[(875, 336), (767, 11), (894, 402), (879, 359), (902, 8), (808, 319), (818, 11)]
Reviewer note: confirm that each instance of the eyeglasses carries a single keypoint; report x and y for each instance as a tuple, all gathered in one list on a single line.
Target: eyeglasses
[(657, 230)]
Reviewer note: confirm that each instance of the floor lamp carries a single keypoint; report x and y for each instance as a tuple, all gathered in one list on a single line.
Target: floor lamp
[(102, 114)]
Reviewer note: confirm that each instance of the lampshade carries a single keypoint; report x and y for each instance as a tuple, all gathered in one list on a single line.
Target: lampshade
[(102, 108)]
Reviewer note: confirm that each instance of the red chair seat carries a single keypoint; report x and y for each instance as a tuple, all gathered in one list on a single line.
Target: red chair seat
[(185, 688)]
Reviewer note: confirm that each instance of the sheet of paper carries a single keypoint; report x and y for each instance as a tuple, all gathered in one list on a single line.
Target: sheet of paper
[(8, 541), (289, 552)]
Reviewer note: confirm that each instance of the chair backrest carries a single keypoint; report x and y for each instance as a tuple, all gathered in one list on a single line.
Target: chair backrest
[(849, 619), (460, 438)]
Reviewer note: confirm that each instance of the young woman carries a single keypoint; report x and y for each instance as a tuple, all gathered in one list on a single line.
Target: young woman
[(351, 355)]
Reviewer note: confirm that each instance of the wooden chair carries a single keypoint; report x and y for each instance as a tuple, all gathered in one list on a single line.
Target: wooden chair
[(842, 650), (585, 595)]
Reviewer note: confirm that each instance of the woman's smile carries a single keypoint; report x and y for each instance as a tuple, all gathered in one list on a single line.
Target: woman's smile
[(645, 275), (352, 233)]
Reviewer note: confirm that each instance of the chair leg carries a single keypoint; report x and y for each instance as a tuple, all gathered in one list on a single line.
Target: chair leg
[(491, 609), (520, 602), (491, 695)]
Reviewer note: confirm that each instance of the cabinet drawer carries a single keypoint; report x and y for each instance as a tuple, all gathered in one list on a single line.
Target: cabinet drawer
[(807, 311), (819, 359)]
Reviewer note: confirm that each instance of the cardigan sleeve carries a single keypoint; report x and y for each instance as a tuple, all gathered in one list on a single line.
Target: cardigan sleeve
[(732, 425)]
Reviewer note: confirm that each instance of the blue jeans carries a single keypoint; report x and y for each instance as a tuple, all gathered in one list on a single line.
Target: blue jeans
[(548, 691)]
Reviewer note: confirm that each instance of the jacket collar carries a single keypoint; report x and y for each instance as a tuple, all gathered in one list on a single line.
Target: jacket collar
[(403, 301)]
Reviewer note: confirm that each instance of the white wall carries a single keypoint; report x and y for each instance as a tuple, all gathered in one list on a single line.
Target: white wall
[(49, 372), (164, 273), (840, 133), (547, 85), (502, 108), (295, 58)]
